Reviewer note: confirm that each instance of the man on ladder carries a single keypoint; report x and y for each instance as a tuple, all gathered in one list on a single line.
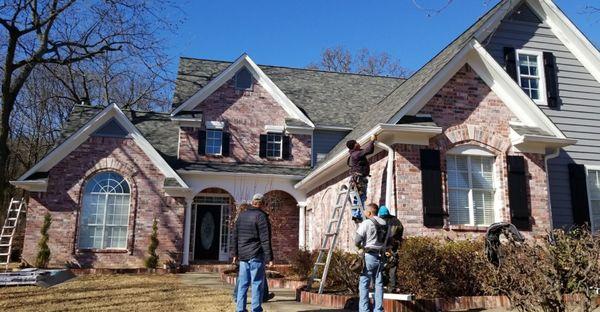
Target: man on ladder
[(360, 170)]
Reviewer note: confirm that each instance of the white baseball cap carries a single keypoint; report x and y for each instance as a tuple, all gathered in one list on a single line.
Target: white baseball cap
[(257, 196)]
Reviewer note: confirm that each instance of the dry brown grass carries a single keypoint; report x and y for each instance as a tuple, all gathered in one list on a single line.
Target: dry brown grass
[(117, 293)]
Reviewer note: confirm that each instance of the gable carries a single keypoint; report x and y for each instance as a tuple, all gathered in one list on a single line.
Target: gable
[(111, 128), (524, 13)]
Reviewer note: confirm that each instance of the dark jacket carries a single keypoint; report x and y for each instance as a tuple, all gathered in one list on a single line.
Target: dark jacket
[(252, 235), (358, 161), (395, 231)]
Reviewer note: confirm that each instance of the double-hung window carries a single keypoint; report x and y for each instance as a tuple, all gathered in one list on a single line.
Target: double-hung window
[(530, 71), (593, 178), (105, 212), (274, 145), (214, 142), (470, 189)]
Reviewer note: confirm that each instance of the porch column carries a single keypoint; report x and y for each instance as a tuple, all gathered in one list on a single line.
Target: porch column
[(186, 231), (302, 225)]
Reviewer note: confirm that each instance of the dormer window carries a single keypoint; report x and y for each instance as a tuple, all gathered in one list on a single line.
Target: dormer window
[(243, 79), (530, 73)]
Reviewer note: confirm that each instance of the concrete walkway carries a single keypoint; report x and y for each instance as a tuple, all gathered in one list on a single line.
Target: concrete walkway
[(284, 301)]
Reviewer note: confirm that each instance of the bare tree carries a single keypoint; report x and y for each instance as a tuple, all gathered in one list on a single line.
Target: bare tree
[(340, 59), (50, 34)]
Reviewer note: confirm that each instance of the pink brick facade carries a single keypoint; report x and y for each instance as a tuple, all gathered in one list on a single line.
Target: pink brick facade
[(245, 114), (470, 114), (63, 200)]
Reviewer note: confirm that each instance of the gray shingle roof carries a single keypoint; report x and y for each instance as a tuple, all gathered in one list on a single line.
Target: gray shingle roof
[(523, 130), (328, 98), (384, 110), (242, 168)]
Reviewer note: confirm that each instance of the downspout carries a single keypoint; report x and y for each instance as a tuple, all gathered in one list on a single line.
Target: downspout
[(546, 158), (389, 181)]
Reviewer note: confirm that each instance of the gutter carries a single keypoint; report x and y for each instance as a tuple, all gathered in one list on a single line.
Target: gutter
[(389, 180)]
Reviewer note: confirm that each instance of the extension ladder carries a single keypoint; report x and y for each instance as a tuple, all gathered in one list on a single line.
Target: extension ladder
[(344, 197), (8, 230)]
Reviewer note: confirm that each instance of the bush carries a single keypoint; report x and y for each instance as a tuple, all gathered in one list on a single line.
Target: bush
[(43, 256), (340, 277), (541, 273), (430, 268), (302, 262), (152, 260)]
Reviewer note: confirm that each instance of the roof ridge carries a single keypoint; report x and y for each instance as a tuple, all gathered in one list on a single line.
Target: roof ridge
[(123, 109), (298, 68)]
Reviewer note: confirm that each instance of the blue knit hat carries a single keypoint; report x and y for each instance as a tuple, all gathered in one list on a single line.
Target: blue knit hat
[(384, 211)]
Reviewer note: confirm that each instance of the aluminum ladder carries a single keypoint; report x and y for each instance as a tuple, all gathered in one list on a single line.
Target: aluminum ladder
[(346, 196), (8, 230)]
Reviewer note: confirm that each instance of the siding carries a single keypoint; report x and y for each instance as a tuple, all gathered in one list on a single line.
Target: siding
[(324, 141), (579, 114)]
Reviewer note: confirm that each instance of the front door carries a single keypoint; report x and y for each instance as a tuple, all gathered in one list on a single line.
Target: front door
[(208, 220)]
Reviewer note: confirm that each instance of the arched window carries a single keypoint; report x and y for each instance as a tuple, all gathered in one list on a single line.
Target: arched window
[(243, 79), (105, 212)]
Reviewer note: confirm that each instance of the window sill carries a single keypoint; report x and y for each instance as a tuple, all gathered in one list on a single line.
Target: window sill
[(468, 228), (94, 250)]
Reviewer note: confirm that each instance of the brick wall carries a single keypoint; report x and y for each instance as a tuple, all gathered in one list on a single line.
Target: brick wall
[(469, 113), (245, 113), (283, 215), (63, 201)]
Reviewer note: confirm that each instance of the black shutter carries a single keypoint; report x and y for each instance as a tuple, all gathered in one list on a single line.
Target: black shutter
[(262, 150), (579, 194), (225, 143), (520, 215), (286, 147), (431, 184), (201, 142), (551, 79), (510, 61)]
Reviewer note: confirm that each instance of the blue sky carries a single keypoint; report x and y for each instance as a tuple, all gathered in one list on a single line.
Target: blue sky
[(293, 33)]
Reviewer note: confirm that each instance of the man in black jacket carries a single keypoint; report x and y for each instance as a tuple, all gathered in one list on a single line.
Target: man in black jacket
[(360, 170), (252, 246)]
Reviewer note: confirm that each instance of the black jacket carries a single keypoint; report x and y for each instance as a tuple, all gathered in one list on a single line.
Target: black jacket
[(358, 161), (252, 235)]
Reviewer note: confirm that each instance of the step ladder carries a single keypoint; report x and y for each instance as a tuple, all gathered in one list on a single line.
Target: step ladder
[(9, 229), (345, 197)]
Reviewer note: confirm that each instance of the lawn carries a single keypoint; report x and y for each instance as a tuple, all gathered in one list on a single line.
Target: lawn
[(117, 293)]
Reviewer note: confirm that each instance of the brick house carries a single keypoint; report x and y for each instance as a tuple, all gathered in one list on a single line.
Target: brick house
[(482, 133)]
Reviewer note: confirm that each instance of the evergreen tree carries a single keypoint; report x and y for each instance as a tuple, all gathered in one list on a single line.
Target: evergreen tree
[(152, 260), (43, 256)]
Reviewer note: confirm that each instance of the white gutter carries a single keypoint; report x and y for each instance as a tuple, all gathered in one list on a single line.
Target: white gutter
[(544, 139), (389, 180), (546, 158)]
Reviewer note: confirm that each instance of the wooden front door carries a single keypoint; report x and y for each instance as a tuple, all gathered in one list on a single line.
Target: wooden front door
[(208, 226)]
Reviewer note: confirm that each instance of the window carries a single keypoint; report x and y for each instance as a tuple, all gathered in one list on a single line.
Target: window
[(594, 194), (214, 142), (274, 141), (530, 72), (470, 189), (105, 212), (243, 79)]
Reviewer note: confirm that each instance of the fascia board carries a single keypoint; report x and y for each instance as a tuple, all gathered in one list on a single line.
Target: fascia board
[(32, 186)]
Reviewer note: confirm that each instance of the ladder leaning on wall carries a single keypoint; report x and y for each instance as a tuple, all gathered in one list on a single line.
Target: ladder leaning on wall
[(345, 197), (9, 229)]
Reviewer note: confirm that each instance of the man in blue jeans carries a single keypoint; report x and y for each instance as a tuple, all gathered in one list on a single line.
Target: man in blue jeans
[(252, 246), (370, 239)]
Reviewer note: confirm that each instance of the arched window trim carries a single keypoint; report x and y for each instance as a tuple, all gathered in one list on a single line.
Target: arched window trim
[(470, 149), (239, 81), (110, 188)]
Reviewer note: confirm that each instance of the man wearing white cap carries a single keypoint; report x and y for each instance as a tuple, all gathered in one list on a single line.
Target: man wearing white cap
[(252, 246)]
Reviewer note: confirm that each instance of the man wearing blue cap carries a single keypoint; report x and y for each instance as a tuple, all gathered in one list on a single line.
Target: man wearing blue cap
[(395, 232)]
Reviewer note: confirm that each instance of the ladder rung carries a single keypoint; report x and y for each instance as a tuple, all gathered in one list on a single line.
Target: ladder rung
[(316, 279), (3, 254), (330, 234), (321, 249), (11, 219), (9, 227), (4, 245), (334, 220), (316, 263)]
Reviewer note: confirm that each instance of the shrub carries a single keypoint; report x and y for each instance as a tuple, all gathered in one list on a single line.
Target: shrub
[(43, 256), (430, 268), (152, 260), (540, 273), (340, 276), (302, 262)]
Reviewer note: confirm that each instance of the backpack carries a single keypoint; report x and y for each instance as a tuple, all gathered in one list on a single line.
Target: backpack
[(382, 232)]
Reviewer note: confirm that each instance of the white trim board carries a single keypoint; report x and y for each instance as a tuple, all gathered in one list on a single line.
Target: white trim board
[(244, 61), (81, 135)]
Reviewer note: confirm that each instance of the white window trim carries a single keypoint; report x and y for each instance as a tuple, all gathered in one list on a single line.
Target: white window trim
[(206, 145), (274, 129), (280, 145), (589, 168), (496, 204), (540, 62), (215, 125), (235, 83)]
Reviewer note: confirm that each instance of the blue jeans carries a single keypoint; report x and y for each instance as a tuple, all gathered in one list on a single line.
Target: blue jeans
[(372, 271), (252, 272), (265, 289)]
